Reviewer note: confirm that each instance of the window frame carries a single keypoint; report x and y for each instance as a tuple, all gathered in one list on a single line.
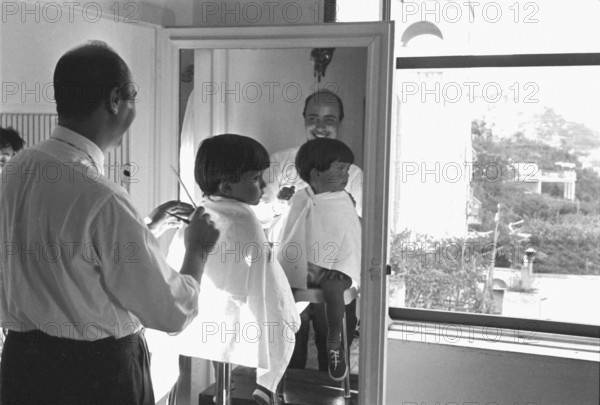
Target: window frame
[(475, 319)]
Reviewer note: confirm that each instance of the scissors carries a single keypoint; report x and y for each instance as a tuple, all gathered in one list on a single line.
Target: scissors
[(179, 218)]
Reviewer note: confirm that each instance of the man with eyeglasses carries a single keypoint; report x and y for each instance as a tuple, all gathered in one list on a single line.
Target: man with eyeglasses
[(81, 274)]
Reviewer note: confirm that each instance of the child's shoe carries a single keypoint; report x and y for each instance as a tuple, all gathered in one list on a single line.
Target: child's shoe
[(337, 365), (262, 396)]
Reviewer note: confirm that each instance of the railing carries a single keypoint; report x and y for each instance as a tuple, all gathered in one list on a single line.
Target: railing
[(35, 128)]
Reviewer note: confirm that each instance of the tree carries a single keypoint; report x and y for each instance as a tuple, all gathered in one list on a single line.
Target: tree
[(552, 129), (544, 215), (570, 244), (588, 186)]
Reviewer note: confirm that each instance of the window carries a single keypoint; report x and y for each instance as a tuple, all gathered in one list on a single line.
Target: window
[(495, 165)]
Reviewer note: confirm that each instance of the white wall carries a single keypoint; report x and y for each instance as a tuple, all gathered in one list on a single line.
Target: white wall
[(427, 373), (34, 38), (359, 10), (430, 165), (277, 122)]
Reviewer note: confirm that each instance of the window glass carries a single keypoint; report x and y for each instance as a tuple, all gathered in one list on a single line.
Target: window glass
[(495, 27), (495, 192)]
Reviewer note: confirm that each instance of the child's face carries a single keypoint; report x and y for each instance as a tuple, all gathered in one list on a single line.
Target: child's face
[(249, 189), (5, 155), (333, 179)]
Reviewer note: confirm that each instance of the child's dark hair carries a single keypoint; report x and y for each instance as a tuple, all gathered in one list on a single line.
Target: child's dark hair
[(10, 137), (319, 154), (226, 158)]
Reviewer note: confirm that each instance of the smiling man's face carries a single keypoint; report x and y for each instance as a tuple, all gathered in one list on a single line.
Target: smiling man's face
[(322, 119)]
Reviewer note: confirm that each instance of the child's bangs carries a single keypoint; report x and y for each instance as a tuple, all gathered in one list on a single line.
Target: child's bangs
[(257, 157), (331, 150), (344, 154)]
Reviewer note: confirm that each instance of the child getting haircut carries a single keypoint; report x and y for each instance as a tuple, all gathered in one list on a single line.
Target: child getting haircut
[(247, 314)]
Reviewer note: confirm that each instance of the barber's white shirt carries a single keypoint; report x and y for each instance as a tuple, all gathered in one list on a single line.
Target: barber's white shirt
[(76, 259)]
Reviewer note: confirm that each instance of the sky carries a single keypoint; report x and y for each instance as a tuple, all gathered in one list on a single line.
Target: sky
[(511, 27)]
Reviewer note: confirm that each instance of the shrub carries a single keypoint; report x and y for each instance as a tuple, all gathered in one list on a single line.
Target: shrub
[(439, 274)]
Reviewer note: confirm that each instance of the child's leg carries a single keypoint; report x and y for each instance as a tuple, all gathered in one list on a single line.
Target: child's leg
[(333, 285), (320, 327), (300, 354)]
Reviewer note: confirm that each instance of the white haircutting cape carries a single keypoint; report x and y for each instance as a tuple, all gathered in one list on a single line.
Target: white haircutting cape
[(322, 229), (247, 314)]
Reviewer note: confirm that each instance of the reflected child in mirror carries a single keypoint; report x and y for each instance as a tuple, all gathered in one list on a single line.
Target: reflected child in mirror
[(321, 236)]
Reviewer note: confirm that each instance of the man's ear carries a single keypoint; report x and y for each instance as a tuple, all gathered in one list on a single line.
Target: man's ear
[(225, 187), (114, 100)]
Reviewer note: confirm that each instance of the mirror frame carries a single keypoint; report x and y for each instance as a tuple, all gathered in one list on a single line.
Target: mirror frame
[(377, 37)]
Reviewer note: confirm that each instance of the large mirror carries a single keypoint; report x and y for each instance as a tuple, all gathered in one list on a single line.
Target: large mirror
[(254, 81)]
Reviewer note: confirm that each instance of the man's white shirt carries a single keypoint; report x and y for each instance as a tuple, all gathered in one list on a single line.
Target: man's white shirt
[(77, 260)]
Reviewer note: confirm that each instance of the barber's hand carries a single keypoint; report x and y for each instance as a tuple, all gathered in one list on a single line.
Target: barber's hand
[(200, 238), (165, 216), (201, 235), (285, 193)]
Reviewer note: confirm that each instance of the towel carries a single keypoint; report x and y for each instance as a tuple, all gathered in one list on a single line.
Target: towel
[(247, 314), (322, 229)]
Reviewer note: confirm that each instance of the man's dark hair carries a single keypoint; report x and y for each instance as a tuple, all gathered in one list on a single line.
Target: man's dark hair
[(84, 78), (319, 154), (325, 96), (10, 137), (226, 158)]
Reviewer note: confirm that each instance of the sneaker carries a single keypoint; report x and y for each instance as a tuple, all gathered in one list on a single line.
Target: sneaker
[(262, 396), (337, 365)]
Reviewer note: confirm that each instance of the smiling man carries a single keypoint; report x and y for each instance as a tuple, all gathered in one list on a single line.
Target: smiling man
[(82, 275), (323, 114)]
